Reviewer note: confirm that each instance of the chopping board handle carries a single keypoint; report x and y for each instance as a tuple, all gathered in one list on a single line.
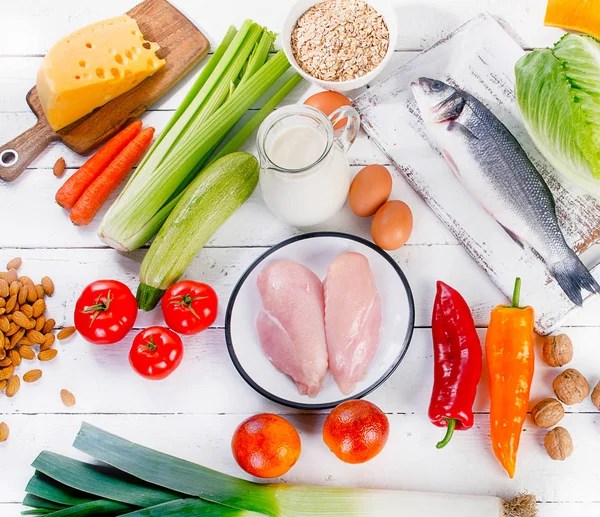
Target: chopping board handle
[(17, 154)]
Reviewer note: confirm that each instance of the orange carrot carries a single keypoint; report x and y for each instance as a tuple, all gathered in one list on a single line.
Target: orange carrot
[(75, 186), (97, 193)]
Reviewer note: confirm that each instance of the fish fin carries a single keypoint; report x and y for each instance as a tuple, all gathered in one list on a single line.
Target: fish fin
[(573, 276), (451, 163), (513, 236), (457, 126)]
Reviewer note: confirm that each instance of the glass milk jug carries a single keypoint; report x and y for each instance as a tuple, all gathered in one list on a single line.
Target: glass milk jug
[(305, 176)]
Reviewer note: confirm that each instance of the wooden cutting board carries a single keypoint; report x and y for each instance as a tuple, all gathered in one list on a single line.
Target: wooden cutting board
[(182, 45), (478, 57)]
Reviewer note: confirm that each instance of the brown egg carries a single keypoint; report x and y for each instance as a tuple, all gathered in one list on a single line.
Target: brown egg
[(392, 225), (369, 190)]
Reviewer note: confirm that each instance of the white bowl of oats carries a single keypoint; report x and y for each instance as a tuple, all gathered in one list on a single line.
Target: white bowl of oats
[(340, 45)]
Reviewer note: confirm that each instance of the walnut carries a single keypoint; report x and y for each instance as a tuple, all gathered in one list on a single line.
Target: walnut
[(547, 413), (596, 396), (571, 387), (557, 350), (559, 444)]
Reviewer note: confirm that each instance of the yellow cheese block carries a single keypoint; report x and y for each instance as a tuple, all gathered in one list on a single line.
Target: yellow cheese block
[(93, 66)]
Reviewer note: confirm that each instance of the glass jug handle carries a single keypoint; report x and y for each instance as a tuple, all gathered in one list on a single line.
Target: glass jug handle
[(345, 136)]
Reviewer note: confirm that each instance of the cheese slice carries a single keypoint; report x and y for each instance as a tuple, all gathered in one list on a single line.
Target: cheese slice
[(93, 66)]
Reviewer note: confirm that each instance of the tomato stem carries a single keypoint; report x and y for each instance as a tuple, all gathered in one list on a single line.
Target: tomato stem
[(187, 300), (151, 345), (98, 307)]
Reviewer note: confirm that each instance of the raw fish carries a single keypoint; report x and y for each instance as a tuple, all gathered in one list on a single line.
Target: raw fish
[(352, 319), (487, 159), (290, 324)]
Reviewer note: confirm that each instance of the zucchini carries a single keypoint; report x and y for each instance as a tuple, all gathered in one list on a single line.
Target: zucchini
[(206, 204)]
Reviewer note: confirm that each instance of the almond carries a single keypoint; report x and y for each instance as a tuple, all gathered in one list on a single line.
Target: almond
[(32, 375), (27, 310), (14, 383), (65, 333), (36, 337), (47, 355), (10, 304), (25, 280), (14, 287), (26, 352), (14, 357), (40, 291), (22, 320), (48, 285), (12, 329), (3, 275), (68, 399), (40, 322), (6, 373), (4, 291), (4, 431), (15, 338), (48, 343), (22, 297), (3, 385), (31, 294), (25, 341), (11, 275), (5, 362), (14, 263), (59, 167), (2, 302), (48, 326), (39, 307)]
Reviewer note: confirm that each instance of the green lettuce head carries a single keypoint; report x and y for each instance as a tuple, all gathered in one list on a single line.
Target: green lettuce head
[(558, 94)]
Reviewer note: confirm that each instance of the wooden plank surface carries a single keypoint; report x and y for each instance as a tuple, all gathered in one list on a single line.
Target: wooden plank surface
[(390, 116), (38, 230)]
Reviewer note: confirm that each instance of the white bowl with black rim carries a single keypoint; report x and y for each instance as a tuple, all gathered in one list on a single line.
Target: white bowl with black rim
[(316, 251)]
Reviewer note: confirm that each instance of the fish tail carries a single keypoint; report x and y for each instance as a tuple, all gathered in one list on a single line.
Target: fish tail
[(573, 276)]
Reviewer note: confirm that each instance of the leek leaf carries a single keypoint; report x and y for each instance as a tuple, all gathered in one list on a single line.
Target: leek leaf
[(174, 473), (190, 508), (45, 487), (98, 507), (40, 502), (99, 481), (37, 511)]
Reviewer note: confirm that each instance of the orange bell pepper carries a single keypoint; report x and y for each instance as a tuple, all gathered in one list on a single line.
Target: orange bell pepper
[(509, 346)]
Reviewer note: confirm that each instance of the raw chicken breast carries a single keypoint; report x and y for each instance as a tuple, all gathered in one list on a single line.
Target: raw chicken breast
[(291, 325), (352, 319)]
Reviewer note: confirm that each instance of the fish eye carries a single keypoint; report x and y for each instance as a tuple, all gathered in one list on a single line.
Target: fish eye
[(436, 86)]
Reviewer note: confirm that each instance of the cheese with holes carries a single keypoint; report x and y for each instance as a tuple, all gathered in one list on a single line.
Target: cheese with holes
[(93, 66)]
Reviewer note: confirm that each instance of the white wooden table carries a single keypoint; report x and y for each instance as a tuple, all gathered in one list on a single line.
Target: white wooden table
[(193, 413)]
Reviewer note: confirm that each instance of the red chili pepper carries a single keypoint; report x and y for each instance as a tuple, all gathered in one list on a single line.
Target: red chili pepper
[(457, 358)]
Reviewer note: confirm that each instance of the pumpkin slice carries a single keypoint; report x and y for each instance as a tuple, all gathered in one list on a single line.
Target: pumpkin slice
[(575, 15)]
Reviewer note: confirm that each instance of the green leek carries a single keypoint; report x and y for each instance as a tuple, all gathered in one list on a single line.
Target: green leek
[(95, 480), (99, 507), (46, 488), (190, 508)]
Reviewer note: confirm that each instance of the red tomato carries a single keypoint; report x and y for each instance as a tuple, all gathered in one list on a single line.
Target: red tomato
[(156, 352), (190, 307), (105, 312)]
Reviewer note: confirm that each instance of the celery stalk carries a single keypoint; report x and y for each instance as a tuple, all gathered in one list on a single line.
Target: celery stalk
[(145, 195), (243, 134), (193, 92), (227, 53), (258, 57), (221, 91)]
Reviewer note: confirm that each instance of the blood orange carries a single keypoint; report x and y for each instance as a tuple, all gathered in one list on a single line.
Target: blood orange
[(266, 445), (356, 431)]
